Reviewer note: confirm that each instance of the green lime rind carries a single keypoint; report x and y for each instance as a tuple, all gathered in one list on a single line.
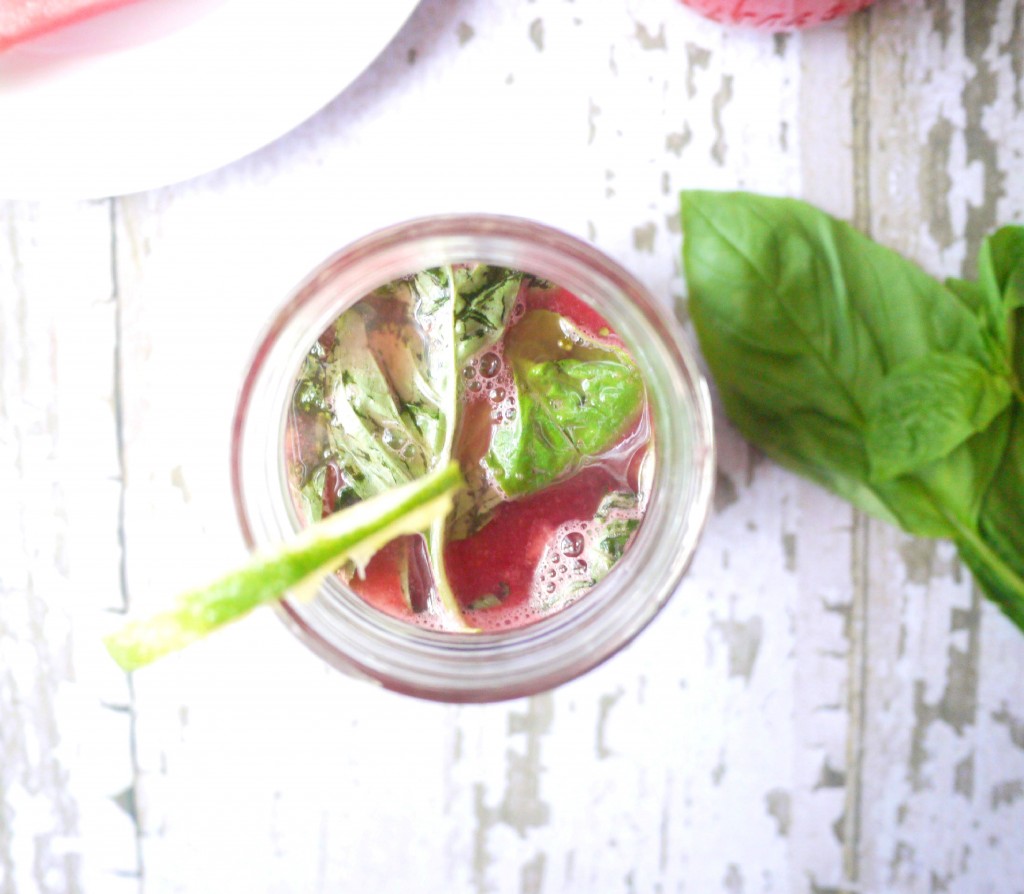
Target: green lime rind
[(353, 534)]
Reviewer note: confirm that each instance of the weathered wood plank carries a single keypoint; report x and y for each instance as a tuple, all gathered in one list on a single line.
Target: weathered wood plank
[(941, 776), (65, 728), (711, 753)]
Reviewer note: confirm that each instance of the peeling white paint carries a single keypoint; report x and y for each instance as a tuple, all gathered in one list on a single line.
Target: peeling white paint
[(824, 706)]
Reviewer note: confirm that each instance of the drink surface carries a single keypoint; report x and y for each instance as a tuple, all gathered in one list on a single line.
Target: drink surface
[(776, 14), (529, 389)]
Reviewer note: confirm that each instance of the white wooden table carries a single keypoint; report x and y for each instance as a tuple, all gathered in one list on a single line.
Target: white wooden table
[(826, 705)]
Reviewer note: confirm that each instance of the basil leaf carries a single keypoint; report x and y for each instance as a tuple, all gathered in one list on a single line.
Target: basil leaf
[(1002, 515), (379, 441), (309, 390), (389, 382), (583, 557), (926, 408), (1001, 270), (386, 390), (846, 362), (801, 319), (475, 504), (461, 311), (475, 320), (999, 292), (485, 297), (575, 397), (616, 518), (312, 493)]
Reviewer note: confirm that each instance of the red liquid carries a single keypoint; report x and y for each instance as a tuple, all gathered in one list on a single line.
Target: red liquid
[(778, 15), (503, 557)]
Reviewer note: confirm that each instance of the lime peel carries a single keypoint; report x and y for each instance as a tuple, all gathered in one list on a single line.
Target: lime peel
[(353, 534)]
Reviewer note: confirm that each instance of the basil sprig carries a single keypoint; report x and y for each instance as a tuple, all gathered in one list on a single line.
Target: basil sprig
[(846, 362)]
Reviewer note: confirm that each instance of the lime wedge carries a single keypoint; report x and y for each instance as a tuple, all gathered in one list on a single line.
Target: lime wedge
[(355, 534)]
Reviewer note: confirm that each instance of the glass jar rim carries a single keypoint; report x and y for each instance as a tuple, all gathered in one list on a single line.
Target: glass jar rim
[(452, 666)]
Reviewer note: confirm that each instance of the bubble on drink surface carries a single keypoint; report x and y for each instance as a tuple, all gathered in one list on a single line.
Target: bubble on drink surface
[(558, 582), (501, 394), (488, 378), (572, 544), (490, 365)]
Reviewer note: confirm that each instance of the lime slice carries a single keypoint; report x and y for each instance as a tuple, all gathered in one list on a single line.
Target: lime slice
[(355, 534)]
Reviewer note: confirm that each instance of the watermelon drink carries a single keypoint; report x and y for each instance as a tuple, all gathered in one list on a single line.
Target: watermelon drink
[(549, 425), (569, 399), (776, 15)]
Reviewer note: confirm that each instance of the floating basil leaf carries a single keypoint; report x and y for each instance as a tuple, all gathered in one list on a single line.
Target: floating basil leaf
[(491, 600), (312, 493), (379, 440), (820, 342), (483, 300), (575, 398), (309, 390), (388, 383), (485, 297), (461, 311), (608, 535), (474, 505)]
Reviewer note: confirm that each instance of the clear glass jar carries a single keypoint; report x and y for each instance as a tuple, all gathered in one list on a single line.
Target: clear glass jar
[(471, 667)]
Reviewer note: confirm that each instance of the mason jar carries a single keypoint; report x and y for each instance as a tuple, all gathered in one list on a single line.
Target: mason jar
[(361, 640)]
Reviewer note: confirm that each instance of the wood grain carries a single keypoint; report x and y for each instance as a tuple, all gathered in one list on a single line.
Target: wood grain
[(66, 778), (825, 706), (943, 662)]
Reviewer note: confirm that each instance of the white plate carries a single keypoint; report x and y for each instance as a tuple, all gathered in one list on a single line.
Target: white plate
[(163, 90)]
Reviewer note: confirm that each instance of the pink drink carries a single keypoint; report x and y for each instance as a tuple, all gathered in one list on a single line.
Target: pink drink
[(529, 560), (777, 15)]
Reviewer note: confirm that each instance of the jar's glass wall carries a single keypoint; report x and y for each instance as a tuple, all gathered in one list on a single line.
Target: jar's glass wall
[(357, 638)]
